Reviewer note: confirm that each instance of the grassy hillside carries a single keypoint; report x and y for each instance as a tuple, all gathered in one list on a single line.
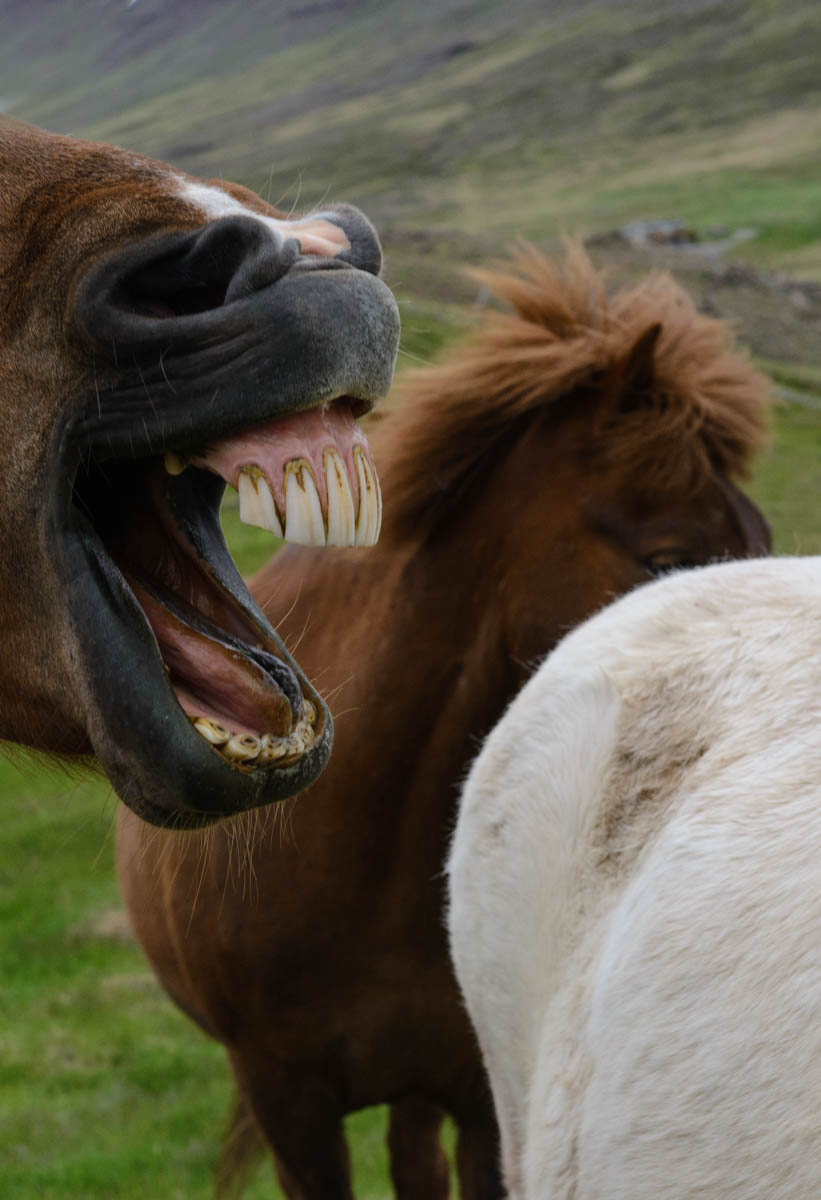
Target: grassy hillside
[(493, 118)]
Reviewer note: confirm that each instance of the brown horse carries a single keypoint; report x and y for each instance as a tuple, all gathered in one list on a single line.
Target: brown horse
[(576, 447), (147, 318)]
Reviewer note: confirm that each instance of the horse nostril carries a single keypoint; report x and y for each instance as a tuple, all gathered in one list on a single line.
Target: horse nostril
[(261, 269), (177, 302), (183, 285), (231, 258), (365, 252)]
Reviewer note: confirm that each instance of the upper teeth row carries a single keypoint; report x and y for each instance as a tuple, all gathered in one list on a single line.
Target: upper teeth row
[(262, 751), (304, 521)]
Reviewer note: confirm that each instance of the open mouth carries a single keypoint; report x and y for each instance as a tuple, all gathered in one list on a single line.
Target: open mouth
[(307, 478), (197, 709)]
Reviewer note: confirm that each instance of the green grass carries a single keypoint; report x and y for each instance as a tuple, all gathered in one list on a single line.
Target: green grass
[(788, 479)]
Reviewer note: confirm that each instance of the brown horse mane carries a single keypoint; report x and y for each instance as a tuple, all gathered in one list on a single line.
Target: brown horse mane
[(566, 337)]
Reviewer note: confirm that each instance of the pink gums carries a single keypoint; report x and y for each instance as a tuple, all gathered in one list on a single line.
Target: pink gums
[(306, 435)]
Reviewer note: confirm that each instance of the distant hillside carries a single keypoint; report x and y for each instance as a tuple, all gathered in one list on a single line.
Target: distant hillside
[(490, 118)]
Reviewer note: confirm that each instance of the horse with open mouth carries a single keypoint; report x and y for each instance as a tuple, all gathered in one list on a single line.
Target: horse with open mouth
[(150, 321), (575, 447)]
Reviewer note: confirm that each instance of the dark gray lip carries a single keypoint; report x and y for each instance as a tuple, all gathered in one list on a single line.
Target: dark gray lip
[(159, 766)]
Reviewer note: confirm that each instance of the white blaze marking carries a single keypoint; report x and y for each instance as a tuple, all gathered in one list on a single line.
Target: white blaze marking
[(317, 231)]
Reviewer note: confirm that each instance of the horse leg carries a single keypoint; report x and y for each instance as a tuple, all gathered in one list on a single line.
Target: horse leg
[(310, 1155), (316, 1173), (478, 1160), (302, 1124), (418, 1164), (311, 1160)]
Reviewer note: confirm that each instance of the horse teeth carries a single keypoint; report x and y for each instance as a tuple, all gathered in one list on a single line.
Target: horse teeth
[(212, 731), (242, 747), (306, 734), (295, 741), (377, 487), (262, 751), (341, 513), (369, 519), (303, 511), (174, 465), (256, 501), (272, 748)]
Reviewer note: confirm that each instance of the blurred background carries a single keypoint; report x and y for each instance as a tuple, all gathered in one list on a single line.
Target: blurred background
[(681, 133)]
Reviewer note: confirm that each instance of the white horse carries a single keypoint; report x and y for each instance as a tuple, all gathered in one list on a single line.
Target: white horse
[(635, 907)]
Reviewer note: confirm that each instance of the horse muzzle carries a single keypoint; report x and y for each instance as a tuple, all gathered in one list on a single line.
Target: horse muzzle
[(223, 354)]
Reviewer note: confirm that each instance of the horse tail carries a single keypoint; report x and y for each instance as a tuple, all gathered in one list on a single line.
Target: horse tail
[(241, 1151)]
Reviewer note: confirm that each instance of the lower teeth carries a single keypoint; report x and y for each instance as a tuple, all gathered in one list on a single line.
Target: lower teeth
[(273, 749), (243, 747), (262, 751), (212, 731)]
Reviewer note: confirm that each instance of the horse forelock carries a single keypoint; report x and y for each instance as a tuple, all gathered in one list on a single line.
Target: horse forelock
[(564, 337)]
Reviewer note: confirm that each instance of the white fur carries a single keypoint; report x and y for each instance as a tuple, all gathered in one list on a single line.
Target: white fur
[(636, 897), (215, 203)]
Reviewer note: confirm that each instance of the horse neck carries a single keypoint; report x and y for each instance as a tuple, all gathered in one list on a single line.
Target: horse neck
[(405, 642)]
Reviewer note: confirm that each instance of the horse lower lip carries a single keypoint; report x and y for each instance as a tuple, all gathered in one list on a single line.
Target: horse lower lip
[(137, 524)]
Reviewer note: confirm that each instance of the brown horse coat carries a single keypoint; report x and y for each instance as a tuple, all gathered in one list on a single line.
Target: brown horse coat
[(576, 446), (146, 316)]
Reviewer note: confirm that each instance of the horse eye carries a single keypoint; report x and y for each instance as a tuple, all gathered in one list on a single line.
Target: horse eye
[(673, 558)]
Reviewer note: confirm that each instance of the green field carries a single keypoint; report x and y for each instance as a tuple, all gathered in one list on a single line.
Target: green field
[(528, 120)]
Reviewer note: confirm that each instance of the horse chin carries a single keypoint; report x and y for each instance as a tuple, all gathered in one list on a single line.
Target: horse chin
[(197, 711)]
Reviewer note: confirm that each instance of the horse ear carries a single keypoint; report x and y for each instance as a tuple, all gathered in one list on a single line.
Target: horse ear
[(636, 374)]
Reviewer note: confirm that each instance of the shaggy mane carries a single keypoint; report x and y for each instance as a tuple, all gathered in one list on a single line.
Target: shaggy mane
[(567, 335)]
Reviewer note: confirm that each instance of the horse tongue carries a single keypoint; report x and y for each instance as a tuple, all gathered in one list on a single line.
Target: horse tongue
[(308, 477), (214, 679)]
